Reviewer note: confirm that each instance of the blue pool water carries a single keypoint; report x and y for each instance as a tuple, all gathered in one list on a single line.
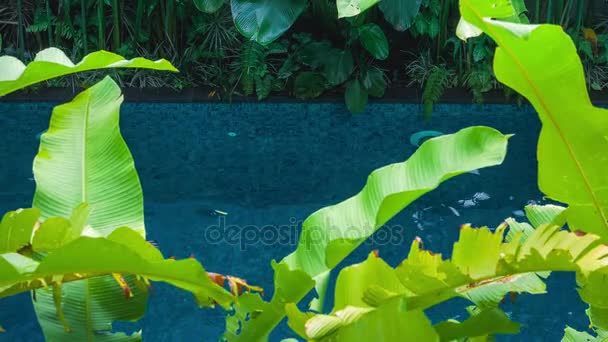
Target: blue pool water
[(271, 165)]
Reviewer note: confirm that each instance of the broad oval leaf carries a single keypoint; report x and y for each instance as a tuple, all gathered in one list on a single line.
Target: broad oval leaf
[(351, 8), (309, 85), (572, 145), (355, 96), (52, 62), (374, 41), (332, 233), (338, 66), (400, 13), (265, 20)]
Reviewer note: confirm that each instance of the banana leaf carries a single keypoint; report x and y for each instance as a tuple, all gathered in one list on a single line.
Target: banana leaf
[(83, 158), (483, 269), (52, 62), (125, 252), (332, 233), (541, 63)]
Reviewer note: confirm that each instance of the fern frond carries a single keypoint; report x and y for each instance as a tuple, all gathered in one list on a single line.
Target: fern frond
[(434, 88)]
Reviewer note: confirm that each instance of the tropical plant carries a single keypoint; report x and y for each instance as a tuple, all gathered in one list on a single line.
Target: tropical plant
[(52, 62), (330, 234), (47, 255), (483, 267), (83, 159), (375, 301)]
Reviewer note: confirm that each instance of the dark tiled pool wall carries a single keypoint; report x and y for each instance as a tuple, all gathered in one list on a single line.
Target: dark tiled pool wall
[(274, 153)]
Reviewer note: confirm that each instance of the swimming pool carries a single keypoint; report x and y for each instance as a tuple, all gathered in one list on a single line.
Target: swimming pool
[(269, 166)]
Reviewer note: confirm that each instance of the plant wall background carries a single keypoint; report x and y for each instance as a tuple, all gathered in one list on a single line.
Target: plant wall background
[(296, 48)]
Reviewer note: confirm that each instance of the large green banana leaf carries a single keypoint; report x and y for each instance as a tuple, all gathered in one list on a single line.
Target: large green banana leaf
[(265, 20), (372, 295), (332, 233), (83, 158), (541, 63), (124, 251), (52, 62)]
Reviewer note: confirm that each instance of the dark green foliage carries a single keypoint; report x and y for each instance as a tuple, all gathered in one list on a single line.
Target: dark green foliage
[(434, 88), (355, 96), (200, 37), (309, 85)]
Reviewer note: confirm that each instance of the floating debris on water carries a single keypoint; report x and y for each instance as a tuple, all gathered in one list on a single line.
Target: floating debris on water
[(454, 211), (417, 138), (467, 203), (219, 212), (481, 196), (519, 213), (475, 172), (232, 134)]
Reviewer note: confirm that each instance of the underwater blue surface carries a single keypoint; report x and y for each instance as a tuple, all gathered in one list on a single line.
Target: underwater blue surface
[(270, 165)]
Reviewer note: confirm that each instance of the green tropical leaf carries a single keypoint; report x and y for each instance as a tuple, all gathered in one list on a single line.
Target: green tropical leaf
[(572, 143), (265, 20), (571, 335), (355, 96), (487, 322), (332, 233), (52, 62), (351, 8), (125, 252), (373, 40), (387, 323), (430, 280), (338, 66), (209, 6), (289, 287), (375, 82), (424, 279), (309, 85), (400, 13), (83, 158), (16, 229)]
